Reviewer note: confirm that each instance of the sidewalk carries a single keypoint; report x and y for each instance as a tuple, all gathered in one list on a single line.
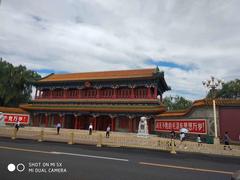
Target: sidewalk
[(116, 139)]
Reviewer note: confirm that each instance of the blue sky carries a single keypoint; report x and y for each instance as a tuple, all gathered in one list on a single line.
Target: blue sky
[(169, 64), (188, 40)]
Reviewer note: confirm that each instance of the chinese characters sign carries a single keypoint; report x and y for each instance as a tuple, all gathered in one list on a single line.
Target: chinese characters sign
[(12, 118), (195, 126)]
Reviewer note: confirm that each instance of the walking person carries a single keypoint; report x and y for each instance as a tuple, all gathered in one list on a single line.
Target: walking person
[(108, 131), (227, 141), (172, 134), (17, 125), (199, 141), (58, 127), (90, 128), (182, 136)]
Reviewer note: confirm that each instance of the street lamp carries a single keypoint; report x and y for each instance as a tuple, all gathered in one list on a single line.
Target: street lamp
[(213, 84)]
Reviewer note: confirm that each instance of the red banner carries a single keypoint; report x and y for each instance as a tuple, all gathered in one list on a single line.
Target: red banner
[(12, 118), (194, 126)]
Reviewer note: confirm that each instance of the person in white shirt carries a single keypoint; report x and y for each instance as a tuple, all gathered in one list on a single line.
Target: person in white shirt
[(90, 129), (182, 136), (108, 132), (199, 141), (17, 124), (58, 127)]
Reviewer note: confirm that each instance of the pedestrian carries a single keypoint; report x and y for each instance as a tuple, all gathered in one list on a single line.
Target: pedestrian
[(182, 136), (90, 128), (108, 131), (172, 134), (58, 127), (17, 125), (199, 141), (227, 141)]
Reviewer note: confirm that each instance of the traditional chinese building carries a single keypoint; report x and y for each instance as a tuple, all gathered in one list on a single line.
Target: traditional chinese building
[(116, 98)]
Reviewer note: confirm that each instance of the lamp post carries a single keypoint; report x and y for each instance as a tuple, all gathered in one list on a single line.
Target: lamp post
[(213, 84)]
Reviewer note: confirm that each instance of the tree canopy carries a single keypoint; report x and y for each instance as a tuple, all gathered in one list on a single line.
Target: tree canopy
[(230, 89), (15, 84), (176, 103)]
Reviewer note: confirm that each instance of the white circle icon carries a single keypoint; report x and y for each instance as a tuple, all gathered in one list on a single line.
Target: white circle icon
[(11, 167), (20, 167)]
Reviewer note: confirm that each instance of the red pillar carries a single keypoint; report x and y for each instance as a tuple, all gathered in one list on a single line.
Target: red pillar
[(94, 122), (155, 92), (76, 122), (114, 93), (50, 93), (98, 93), (149, 125), (64, 93), (130, 124), (79, 93), (62, 120), (149, 92), (113, 123), (46, 120), (132, 93), (79, 123)]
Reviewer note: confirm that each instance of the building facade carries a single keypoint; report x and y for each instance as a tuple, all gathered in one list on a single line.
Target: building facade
[(115, 98)]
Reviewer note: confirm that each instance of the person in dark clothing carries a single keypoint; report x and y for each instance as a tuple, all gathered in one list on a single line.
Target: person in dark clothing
[(173, 134), (227, 141)]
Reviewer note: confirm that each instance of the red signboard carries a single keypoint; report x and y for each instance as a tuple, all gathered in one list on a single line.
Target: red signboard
[(12, 118), (194, 126)]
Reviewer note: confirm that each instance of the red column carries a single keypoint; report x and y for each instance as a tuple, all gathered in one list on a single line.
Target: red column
[(132, 93), (98, 93), (149, 125), (79, 94), (155, 92), (64, 93), (149, 92), (50, 93), (76, 122), (79, 123), (62, 120), (114, 93), (130, 124), (46, 120), (94, 122), (113, 123)]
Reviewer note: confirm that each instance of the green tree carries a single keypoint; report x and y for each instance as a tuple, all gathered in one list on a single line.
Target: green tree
[(15, 84), (230, 89), (176, 103)]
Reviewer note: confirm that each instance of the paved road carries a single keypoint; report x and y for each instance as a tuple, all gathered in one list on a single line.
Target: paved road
[(90, 162)]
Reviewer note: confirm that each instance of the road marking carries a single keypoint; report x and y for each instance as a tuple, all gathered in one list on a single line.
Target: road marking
[(63, 153), (91, 156), (186, 168)]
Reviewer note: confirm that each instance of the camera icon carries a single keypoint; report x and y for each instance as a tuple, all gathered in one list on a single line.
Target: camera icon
[(20, 167)]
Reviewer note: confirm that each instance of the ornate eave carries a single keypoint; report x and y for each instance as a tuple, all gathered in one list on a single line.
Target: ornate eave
[(95, 108)]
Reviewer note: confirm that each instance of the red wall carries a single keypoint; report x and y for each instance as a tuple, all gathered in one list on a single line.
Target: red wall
[(230, 122)]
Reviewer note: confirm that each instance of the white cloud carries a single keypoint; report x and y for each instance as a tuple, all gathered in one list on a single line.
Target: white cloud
[(83, 35)]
